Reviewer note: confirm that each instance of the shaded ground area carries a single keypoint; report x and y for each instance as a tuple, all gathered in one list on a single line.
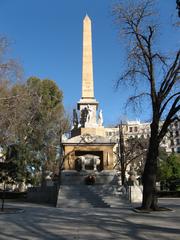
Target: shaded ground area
[(43, 222)]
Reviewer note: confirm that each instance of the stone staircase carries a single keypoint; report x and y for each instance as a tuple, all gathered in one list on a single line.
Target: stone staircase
[(89, 196), (110, 195)]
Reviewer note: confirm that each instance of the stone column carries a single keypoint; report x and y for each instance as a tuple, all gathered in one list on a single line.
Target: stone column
[(87, 69)]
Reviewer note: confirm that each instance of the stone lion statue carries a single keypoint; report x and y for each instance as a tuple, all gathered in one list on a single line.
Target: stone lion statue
[(89, 160)]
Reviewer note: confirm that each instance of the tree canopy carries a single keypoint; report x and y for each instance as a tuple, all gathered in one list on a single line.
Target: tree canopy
[(32, 118), (170, 168)]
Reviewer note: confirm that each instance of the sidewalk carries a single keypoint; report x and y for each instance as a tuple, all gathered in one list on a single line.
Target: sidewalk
[(48, 223)]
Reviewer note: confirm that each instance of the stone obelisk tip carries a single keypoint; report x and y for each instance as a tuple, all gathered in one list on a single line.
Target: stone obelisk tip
[(87, 17)]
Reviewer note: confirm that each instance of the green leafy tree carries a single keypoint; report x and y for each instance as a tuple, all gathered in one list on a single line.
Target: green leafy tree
[(32, 117), (40, 127), (170, 168)]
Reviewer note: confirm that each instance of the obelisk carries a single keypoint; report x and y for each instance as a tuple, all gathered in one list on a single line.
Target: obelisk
[(87, 65), (87, 100)]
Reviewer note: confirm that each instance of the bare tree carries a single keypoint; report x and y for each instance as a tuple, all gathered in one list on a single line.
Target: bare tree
[(160, 76), (178, 7), (10, 72), (131, 152)]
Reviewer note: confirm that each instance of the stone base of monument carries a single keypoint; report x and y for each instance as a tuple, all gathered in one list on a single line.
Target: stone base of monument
[(74, 177), (75, 192)]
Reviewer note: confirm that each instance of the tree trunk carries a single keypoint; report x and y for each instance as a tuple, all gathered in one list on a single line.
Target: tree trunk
[(3, 197), (43, 178), (123, 174), (61, 159), (150, 172), (122, 154)]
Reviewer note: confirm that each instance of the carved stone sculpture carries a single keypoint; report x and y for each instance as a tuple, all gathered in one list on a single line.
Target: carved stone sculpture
[(89, 160), (100, 118), (90, 114), (84, 113), (75, 119)]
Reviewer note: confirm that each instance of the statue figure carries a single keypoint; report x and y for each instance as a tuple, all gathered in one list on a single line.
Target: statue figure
[(75, 119), (84, 113), (100, 118), (132, 177), (90, 113)]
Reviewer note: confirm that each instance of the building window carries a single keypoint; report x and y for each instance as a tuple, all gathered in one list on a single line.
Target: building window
[(177, 133), (135, 129), (130, 129), (178, 141), (178, 150)]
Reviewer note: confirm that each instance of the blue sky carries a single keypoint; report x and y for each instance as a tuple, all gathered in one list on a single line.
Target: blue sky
[(46, 39)]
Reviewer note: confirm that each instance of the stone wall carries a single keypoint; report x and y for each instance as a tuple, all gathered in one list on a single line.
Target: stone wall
[(78, 178), (46, 195)]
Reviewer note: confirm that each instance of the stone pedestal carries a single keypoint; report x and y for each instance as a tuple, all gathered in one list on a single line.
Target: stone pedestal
[(88, 144), (72, 177), (135, 194)]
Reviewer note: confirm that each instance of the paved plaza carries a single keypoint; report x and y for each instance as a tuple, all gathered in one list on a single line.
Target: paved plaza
[(44, 222)]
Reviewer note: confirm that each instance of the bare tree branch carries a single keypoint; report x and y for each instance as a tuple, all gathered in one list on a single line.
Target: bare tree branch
[(167, 101), (160, 57), (135, 157), (171, 77), (170, 117)]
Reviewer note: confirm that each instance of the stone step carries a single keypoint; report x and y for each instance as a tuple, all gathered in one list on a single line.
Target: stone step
[(79, 196), (110, 195), (86, 196)]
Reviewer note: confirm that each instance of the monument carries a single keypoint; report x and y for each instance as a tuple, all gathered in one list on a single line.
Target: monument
[(87, 101), (88, 149)]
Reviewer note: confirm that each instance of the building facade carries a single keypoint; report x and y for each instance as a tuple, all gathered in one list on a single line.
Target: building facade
[(132, 129)]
